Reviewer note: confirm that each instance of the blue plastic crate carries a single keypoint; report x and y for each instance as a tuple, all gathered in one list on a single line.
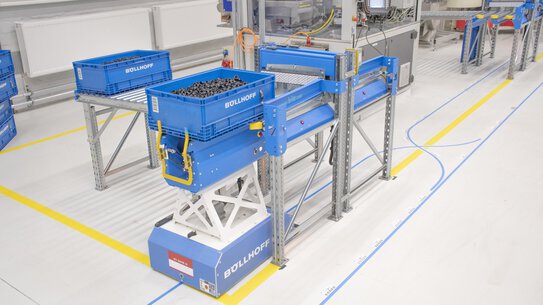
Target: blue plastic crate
[(96, 76), (8, 87), (5, 110), (6, 63), (7, 132), (208, 118)]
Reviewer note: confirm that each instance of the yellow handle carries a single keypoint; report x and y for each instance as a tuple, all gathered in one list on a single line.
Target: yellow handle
[(186, 158), (258, 125)]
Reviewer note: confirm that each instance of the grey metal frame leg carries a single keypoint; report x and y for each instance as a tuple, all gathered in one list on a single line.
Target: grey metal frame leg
[(151, 146), (537, 36), (481, 44), (278, 210), (514, 50), (319, 140), (493, 40), (95, 146), (341, 186), (467, 43), (389, 136), (525, 47)]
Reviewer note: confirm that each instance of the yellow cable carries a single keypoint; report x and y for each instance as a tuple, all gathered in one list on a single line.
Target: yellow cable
[(307, 34), (186, 158)]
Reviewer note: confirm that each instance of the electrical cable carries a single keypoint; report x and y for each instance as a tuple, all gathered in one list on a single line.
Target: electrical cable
[(307, 34)]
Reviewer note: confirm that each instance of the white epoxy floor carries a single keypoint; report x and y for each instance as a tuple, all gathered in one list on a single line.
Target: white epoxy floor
[(472, 238)]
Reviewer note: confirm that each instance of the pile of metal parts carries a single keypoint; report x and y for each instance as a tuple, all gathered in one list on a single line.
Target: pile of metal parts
[(211, 87), (121, 60), (223, 227)]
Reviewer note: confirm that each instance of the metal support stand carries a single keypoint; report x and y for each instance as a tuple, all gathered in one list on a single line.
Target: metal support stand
[(132, 100), (466, 53), (278, 210), (389, 136), (319, 139), (537, 36), (481, 37), (95, 147), (525, 47), (493, 39), (514, 50), (344, 107)]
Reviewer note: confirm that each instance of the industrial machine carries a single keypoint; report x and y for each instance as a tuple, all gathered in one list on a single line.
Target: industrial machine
[(378, 27), (232, 215), (485, 22)]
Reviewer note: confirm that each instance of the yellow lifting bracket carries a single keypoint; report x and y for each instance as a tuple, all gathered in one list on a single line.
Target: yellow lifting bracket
[(186, 158)]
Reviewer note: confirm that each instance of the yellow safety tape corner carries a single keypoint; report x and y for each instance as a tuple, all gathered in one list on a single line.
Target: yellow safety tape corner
[(250, 286), (81, 228)]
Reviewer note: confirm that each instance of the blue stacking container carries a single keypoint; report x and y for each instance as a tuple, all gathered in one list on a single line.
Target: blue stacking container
[(6, 63), (5, 110), (99, 76), (208, 118), (7, 132), (8, 87)]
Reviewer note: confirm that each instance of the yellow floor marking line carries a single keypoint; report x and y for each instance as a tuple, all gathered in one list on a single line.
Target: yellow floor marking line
[(539, 57), (250, 286), (100, 237), (440, 135), (62, 134)]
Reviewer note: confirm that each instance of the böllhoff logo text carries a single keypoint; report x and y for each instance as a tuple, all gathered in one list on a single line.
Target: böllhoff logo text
[(240, 100), (135, 69)]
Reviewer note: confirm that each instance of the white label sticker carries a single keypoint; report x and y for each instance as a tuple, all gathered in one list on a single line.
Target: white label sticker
[(154, 102), (207, 286), (79, 74)]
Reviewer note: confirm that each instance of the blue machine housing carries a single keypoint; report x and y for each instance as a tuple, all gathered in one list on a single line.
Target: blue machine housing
[(214, 271), (213, 160)]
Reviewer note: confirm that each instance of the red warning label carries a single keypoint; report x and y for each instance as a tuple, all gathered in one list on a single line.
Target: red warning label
[(180, 263)]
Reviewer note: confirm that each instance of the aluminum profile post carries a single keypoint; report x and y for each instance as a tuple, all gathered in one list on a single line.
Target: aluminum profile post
[(278, 210), (151, 145), (342, 150), (526, 42)]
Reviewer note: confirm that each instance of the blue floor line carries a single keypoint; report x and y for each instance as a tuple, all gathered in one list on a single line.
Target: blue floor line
[(397, 148), (428, 197), (424, 118), (165, 293)]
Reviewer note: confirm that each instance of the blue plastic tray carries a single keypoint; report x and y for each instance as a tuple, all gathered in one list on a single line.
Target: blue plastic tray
[(8, 87), (7, 132), (208, 118), (6, 63), (5, 111), (94, 76)]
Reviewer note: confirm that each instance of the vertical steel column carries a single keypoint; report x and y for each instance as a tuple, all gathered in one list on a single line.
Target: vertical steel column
[(514, 50), (319, 140), (278, 210), (151, 145), (525, 47), (481, 44), (537, 36), (493, 39), (95, 146), (389, 136), (467, 46), (344, 107), (262, 21)]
